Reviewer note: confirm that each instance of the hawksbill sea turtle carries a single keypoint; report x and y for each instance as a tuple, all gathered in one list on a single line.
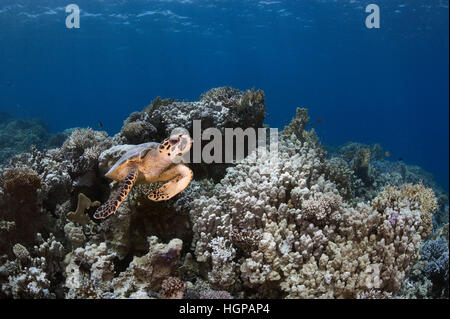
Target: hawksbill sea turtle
[(147, 163)]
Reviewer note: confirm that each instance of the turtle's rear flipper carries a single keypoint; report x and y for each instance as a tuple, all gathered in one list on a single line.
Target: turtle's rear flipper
[(181, 175), (111, 206)]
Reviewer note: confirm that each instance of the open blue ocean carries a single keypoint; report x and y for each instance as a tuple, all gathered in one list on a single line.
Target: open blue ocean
[(386, 85)]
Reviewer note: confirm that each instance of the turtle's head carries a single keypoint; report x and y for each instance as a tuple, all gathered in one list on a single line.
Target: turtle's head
[(175, 146)]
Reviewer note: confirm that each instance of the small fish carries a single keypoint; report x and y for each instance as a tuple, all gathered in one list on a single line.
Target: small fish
[(100, 124), (347, 155), (387, 154), (400, 159), (322, 147), (319, 121)]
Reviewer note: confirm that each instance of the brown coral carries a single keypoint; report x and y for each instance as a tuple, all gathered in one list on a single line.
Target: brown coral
[(21, 205), (173, 288), (410, 196), (361, 165), (22, 183), (298, 124)]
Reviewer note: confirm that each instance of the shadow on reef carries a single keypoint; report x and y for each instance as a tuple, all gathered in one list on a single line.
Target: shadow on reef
[(310, 222)]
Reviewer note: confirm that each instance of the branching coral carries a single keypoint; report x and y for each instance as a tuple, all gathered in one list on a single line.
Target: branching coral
[(33, 275), (292, 224), (82, 150), (173, 288), (412, 197), (89, 272), (313, 244), (361, 165), (53, 173), (436, 270)]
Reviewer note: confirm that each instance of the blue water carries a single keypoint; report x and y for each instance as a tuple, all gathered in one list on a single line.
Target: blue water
[(387, 85)]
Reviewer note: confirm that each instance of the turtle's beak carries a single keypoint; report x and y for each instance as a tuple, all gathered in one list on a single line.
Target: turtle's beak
[(185, 143)]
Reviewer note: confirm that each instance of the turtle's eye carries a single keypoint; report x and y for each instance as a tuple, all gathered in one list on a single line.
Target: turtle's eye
[(174, 140)]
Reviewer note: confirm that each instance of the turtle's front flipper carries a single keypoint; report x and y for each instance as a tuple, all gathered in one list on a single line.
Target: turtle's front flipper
[(181, 177), (111, 206)]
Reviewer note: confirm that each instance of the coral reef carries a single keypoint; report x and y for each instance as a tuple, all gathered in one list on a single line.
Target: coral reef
[(81, 152), (79, 216), (18, 135), (147, 273), (33, 276), (138, 128), (429, 275), (20, 206), (313, 244), (305, 222), (435, 252), (89, 272), (173, 288), (220, 107)]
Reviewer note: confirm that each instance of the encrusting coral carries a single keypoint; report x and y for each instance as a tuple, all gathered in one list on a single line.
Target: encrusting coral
[(299, 223)]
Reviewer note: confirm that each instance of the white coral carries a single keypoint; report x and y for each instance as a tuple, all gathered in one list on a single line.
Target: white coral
[(314, 244)]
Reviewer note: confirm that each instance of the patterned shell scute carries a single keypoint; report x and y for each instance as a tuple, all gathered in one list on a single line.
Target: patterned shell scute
[(137, 151)]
